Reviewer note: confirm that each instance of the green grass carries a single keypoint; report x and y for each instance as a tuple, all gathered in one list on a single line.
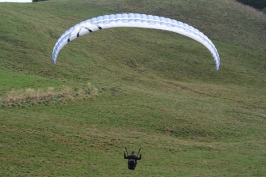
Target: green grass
[(156, 90)]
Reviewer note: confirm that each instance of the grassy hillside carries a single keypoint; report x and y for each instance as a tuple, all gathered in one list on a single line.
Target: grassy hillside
[(137, 88)]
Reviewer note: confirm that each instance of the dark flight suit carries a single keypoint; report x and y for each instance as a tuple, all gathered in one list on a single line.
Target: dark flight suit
[(132, 160)]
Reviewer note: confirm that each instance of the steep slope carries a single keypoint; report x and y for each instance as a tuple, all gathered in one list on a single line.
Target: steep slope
[(152, 89)]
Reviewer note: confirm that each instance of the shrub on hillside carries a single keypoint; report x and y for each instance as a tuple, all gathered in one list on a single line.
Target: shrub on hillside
[(38, 0), (258, 4), (264, 10)]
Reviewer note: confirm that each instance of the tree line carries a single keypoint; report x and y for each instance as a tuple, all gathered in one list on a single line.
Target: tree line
[(258, 4), (38, 0)]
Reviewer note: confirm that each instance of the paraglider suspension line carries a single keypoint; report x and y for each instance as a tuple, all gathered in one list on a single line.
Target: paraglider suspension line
[(139, 152), (126, 150)]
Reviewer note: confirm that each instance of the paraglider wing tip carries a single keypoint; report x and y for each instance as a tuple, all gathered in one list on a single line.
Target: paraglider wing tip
[(218, 66), (54, 62)]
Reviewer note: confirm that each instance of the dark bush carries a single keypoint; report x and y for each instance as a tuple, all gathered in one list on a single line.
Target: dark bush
[(264, 10), (38, 0), (258, 4)]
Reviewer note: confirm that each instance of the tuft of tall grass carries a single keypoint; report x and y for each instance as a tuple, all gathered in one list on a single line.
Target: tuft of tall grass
[(31, 96)]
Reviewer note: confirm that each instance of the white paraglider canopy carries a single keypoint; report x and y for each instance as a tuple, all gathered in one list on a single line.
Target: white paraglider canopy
[(137, 21), (15, 0)]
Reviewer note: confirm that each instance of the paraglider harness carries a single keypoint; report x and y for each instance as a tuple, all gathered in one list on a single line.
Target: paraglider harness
[(132, 162)]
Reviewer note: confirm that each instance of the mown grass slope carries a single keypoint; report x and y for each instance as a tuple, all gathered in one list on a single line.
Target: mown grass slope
[(132, 87)]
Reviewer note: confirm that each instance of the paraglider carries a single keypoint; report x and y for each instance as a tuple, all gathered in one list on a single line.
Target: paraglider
[(138, 21), (132, 159)]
